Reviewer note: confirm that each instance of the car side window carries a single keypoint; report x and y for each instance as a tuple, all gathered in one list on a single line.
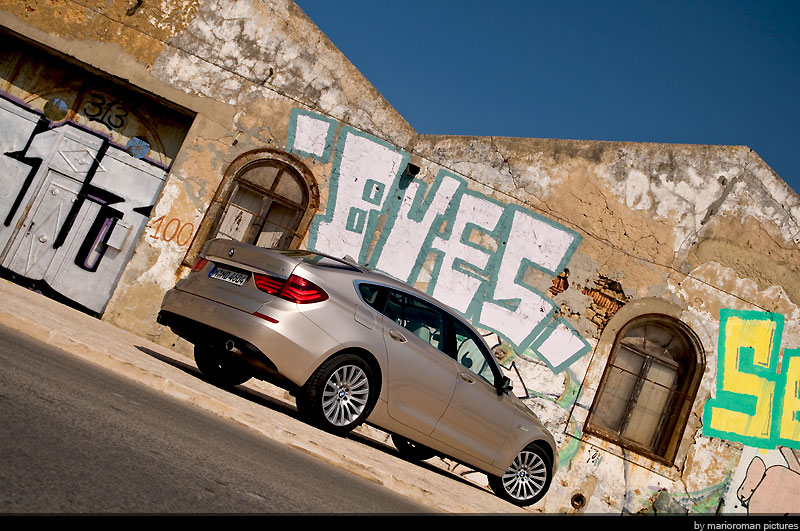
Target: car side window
[(472, 353), (394, 307), (371, 294), (417, 316)]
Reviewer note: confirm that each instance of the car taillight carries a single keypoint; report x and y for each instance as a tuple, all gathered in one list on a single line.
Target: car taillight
[(199, 264), (302, 291), (271, 285), (295, 289)]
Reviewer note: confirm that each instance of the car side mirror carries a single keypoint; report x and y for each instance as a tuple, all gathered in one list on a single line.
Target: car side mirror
[(505, 386)]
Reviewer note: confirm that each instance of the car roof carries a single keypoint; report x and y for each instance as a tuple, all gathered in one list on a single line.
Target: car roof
[(377, 277), (364, 274), (361, 273)]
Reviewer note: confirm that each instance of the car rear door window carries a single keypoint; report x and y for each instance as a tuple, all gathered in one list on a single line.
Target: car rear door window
[(422, 319)]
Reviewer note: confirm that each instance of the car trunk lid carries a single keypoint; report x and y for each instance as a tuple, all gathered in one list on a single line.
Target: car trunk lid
[(227, 272)]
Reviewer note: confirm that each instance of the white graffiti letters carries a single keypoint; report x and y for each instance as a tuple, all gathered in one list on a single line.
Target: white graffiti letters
[(363, 172), (517, 307), (466, 249), (413, 223), (464, 261)]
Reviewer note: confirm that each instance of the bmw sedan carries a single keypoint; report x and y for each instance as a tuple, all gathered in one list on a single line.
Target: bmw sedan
[(353, 345)]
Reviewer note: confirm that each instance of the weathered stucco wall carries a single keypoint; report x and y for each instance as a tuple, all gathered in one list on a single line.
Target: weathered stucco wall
[(550, 246)]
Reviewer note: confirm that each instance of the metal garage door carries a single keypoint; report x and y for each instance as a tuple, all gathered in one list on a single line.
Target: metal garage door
[(82, 160)]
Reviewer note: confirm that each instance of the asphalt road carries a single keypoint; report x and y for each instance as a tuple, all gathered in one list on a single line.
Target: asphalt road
[(75, 438)]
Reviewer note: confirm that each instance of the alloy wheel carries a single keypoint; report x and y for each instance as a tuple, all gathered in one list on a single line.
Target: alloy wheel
[(526, 477), (345, 395)]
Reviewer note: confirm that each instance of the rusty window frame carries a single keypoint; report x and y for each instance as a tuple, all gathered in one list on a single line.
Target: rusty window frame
[(272, 196), (236, 168), (681, 394)]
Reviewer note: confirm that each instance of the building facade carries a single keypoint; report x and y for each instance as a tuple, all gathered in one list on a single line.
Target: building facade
[(646, 294)]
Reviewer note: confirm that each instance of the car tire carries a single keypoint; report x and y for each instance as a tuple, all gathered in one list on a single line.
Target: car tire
[(219, 368), (527, 479), (340, 394), (411, 450)]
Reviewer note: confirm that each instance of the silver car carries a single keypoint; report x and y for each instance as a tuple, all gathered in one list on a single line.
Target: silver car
[(353, 345)]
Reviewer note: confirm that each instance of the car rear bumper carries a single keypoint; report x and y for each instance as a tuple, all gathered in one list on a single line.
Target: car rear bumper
[(294, 344)]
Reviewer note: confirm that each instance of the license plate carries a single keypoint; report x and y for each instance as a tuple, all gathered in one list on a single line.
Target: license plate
[(227, 275)]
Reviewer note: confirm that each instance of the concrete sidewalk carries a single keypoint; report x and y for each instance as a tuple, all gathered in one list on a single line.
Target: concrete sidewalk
[(256, 405)]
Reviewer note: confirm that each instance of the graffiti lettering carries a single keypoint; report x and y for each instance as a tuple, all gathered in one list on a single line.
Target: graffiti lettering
[(471, 251), (71, 202), (174, 229), (756, 403), (108, 112)]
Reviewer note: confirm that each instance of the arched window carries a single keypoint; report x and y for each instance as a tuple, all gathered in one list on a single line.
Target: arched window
[(648, 388), (266, 197), (267, 202)]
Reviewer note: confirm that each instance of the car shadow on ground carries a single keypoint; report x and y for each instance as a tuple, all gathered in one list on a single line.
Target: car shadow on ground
[(289, 409)]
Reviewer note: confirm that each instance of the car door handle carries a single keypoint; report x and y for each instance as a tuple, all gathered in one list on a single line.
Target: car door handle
[(466, 377), (397, 336)]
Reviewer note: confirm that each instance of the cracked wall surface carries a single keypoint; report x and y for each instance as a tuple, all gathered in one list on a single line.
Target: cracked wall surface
[(551, 245)]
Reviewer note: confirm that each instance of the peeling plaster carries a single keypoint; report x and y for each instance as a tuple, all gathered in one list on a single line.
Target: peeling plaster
[(708, 228)]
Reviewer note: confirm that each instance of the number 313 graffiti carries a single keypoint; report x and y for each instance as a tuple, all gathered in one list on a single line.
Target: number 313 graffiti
[(756, 403)]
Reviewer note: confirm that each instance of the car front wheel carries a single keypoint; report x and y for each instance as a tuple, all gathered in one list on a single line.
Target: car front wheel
[(340, 394), (527, 479)]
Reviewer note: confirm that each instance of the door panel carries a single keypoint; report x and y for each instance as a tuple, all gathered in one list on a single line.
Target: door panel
[(477, 421), (102, 245), (422, 378), (83, 193), (33, 251), (18, 124)]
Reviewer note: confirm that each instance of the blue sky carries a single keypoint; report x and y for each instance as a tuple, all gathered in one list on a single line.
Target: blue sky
[(695, 72)]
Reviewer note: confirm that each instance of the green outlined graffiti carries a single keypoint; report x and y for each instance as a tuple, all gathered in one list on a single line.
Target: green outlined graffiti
[(470, 251), (757, 400), (572, 444), (363, 169), (311, 134)]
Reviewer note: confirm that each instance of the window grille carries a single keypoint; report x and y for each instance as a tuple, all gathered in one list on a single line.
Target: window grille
[(265, 207), (648, 387)]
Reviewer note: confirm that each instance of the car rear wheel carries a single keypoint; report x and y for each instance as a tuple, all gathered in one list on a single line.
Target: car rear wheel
[(219, 367), (340, 394), (527, 479), (411, 450)]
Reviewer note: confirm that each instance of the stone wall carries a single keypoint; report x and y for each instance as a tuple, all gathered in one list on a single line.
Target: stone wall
[(549, 246)]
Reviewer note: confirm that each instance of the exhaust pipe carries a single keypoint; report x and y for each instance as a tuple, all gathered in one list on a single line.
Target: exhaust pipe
[(230, 346)]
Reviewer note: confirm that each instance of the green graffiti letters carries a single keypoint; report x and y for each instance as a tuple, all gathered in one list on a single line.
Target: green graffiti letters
[(756, 403)]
